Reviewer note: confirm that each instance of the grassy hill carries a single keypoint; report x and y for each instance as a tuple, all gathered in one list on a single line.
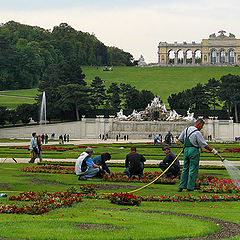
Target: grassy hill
[(13, 98), (163, 81)]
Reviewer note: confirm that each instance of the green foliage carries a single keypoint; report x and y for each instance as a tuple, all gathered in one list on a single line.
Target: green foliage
[(98, 93), (32, 49), (212, 91), (230, 92), (3, 115)]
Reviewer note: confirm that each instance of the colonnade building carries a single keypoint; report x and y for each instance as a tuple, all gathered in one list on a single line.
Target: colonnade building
[(218, 49)]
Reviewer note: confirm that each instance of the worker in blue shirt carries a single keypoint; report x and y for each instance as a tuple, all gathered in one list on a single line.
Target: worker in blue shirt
[(174, 170), (101, 161)]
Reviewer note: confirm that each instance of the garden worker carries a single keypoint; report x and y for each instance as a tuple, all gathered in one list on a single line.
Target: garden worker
[(101, 161), (134, 163), (174, 170), (193, 140), (85, 167), (33, 148)]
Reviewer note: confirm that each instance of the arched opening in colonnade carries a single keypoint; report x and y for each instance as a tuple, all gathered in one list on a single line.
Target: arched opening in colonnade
[(189, 56), (222, 56), (198, 56), (213, 56), (180, 56), (171, 56), (231, 56)]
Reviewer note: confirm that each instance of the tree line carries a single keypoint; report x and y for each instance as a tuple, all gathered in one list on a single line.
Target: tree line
[(69, 96), (26, 51), (223, 93)]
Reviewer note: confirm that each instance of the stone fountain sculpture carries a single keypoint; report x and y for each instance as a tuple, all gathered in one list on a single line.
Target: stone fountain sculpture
[(155, 111)]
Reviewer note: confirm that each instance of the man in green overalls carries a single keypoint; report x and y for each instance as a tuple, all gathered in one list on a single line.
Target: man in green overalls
[(193, 140)]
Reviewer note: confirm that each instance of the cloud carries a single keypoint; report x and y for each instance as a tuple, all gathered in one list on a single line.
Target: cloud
[(138, 26)]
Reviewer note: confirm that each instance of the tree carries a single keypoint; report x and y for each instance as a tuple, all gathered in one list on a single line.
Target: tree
[(98, 93), (65, 89), (229, 92), (199, 99), (74, 97), (113, 96), (25, 112), (212, 90), (3, 115)]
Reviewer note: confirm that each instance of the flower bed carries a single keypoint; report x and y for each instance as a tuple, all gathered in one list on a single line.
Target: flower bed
[(52, 148), (125, 199), (190, 198), (147, 177), (42, 202), (50, 169)]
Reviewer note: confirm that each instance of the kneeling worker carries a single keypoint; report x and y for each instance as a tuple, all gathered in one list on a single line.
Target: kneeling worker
[(101, 161), (85, 167), (134, 163), (174, 170)]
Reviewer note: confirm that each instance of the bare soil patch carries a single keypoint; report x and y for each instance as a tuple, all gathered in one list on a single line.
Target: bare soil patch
[(35, 180), (5, 186)]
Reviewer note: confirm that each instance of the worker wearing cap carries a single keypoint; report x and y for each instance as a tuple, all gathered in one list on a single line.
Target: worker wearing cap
[(193, 140), (85, 167), (173, 171)]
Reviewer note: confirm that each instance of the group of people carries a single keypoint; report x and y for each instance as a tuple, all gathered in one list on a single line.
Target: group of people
[(125, 137), (35, 147), (192, 139), (168, 139), (64, 138), (44, 138), (103, 136), (88, 167)]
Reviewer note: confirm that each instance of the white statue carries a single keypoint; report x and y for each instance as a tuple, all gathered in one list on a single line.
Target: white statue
[(190, 116), (141, 62), (135, 116), (164, 108), (156, 103), (121, 116), (173, 116)]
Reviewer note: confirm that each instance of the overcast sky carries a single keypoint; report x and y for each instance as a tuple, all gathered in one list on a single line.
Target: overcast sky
[(136, 26)]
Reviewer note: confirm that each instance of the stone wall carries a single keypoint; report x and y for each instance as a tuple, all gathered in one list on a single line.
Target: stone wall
[(91, 128)]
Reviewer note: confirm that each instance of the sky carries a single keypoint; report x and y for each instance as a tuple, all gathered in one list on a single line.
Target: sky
[(136, 26)]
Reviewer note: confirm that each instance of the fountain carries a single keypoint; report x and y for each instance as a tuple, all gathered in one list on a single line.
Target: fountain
[(43, 111)]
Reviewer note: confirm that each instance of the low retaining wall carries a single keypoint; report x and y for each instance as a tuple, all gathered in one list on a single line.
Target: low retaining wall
[(91, 128)]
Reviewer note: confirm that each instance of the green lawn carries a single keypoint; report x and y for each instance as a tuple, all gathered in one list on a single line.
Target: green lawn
[(163, 81), (32, 93), (149, 151), (13, 102), (132, 222)]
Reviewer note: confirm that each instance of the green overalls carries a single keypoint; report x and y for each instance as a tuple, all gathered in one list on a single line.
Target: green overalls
[(191, 164)]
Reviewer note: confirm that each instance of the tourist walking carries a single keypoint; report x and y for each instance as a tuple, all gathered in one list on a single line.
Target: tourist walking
[(174, 170), (68, 137), (85, 167), (33, 148), (193, 140), (65, 137), (61, 139), (39, 143), (42, 138), (46, 138), (134, 163)]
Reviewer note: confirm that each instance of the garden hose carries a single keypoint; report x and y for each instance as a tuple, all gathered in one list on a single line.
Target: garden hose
[(154, 180)]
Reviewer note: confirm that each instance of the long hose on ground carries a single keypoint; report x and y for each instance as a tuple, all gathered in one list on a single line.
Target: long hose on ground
[(156, 178)]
